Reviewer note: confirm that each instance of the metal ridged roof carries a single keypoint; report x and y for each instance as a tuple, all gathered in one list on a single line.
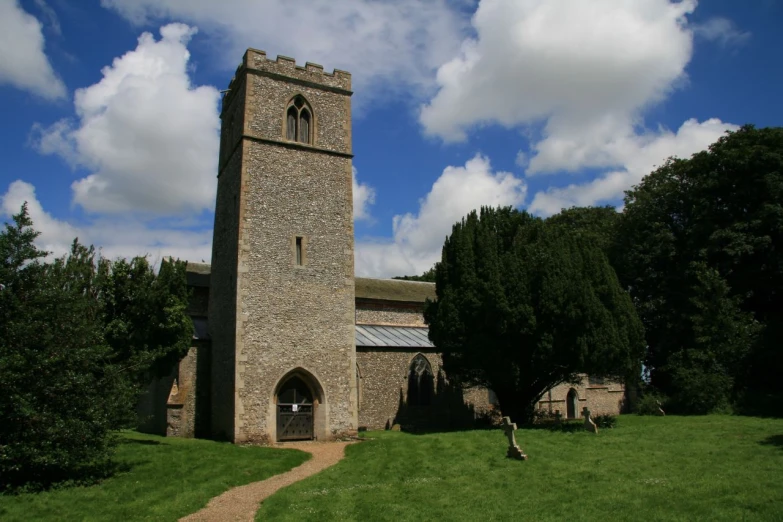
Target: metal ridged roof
[(366, 335), (401, 336)]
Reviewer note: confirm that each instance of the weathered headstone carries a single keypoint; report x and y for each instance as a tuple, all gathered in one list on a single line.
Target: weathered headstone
[(589, 424), (558, 417), (514, 452), (396, 427)]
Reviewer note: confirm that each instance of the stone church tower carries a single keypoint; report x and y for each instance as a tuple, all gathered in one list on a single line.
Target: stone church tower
[(281, 309)]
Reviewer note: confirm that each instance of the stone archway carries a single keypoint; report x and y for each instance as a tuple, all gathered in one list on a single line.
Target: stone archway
[(299, 407), (572, 403)]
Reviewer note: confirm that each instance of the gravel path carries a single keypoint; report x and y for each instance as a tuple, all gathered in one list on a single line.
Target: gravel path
[(241, 503)]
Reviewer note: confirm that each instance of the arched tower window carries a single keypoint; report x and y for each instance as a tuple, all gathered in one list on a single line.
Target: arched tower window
[(420, 382), (299, 121)]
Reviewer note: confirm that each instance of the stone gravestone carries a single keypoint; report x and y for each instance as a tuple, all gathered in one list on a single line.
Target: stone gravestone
[(513, 450), (589, 424), (558, 417)]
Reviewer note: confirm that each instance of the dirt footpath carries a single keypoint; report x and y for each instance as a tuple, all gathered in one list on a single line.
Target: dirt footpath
[(242, 503)]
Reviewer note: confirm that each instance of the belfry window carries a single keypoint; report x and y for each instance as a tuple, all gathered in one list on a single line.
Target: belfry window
[(420, 382), (299, 121)]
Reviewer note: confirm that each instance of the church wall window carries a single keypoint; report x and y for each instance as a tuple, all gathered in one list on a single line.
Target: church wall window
[(291, 123), (299, 121), (299, 250), (420, 382)]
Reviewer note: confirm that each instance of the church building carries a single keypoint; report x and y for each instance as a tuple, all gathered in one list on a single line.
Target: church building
[(288, 343)]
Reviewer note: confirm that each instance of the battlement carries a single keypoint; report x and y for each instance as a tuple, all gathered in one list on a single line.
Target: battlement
[(256, 61)]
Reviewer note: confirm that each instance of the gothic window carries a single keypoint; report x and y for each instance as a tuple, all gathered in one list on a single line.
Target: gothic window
[(299, 121), (291, 125), (304, 126), (420, 382)]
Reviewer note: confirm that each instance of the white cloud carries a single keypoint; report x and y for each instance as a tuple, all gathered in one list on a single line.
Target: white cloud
[(521, 159), (639, 155), (583, 71), (418, 238), (722, 31), (118, 237), (363, 198), (23, 63), (568, 62), (147, 134), (384, 45), (51, 16)]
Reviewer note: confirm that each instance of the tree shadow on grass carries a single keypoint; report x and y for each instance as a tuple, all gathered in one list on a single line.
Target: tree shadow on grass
[(773, 440), (565, 426), (145, 442)]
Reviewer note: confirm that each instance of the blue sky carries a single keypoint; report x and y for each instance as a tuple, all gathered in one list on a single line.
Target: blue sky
[(110, 108)]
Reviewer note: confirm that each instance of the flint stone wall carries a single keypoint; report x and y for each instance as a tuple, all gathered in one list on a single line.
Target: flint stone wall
[(294, 317), (608, 398), (389, 314)]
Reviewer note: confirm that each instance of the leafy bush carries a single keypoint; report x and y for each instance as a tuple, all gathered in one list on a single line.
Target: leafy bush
[(543, 416), (650, 403), (605, 421)]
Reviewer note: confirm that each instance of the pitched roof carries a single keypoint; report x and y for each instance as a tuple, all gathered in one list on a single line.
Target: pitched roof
[(399, 336), (366, 288), (197, 274), (394, 290)]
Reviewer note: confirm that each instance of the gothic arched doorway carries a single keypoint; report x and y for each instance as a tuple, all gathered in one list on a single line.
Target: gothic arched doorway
[(571, 404), (295, 410)]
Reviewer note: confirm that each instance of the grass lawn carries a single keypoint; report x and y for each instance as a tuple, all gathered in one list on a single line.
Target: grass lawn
[(167, 478), (647, 468)]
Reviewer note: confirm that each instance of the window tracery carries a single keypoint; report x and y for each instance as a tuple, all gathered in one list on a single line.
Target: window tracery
[(420, 382), (299, 121)]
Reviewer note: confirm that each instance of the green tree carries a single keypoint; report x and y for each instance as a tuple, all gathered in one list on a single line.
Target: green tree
[(145, 315), (524, 305), (427, 277), (79, 337), (59, 392), (700, 248), (597, 224)]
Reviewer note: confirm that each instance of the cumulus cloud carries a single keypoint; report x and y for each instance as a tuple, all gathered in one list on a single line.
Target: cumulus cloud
[(383, 44), (363, 198), (418, 238), (116, 237), (23, 63), (585, 73), (639, 155), (147, 134), (570, 61)]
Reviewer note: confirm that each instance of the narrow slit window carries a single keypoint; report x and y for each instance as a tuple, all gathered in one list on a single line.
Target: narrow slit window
[(299, 253)]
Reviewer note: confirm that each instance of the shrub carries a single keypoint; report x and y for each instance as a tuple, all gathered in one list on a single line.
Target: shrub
[(605, 421), (650, 403)]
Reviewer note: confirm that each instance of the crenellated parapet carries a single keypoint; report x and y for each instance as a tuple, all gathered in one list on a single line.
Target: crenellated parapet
[(309, 75)]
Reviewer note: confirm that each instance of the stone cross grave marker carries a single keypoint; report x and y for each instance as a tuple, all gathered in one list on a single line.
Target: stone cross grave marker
[(589, 424), (513, 450)]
